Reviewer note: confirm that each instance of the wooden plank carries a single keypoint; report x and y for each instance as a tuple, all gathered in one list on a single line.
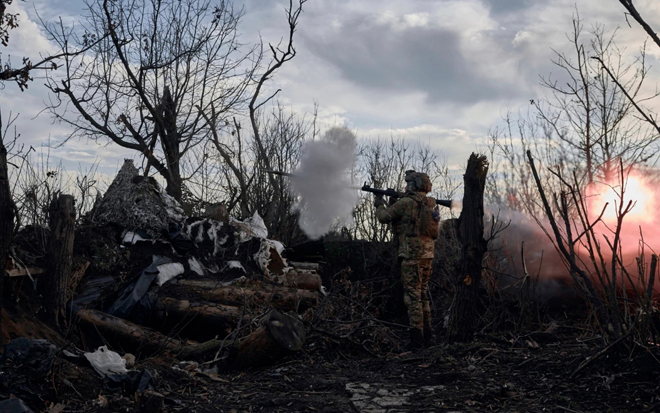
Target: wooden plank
[(19, 272)]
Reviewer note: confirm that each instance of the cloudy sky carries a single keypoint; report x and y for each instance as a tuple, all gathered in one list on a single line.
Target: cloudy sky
[(439, 71)]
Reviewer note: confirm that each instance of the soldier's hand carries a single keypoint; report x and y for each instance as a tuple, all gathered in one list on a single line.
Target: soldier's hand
[(378, 201), (392, 200)]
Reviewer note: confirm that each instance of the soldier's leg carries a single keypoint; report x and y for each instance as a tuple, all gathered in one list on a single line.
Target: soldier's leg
[(412, 284), (425, 275)]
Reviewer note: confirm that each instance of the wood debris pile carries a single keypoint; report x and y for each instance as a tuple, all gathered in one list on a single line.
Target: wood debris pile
[(147, 278)]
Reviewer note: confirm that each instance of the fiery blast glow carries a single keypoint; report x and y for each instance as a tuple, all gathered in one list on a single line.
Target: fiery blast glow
[(642, 219), (636, 189), (641, 187)]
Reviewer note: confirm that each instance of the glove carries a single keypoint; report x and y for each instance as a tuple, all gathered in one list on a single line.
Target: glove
[(436, 214), (378, 201), (392, 200)]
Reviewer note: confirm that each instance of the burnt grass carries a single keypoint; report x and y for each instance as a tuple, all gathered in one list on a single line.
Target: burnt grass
[(506, 373), (353, 361)]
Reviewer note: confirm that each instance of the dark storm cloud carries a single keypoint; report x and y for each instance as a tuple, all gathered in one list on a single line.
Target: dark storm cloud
[(506, 6), (416, 59)]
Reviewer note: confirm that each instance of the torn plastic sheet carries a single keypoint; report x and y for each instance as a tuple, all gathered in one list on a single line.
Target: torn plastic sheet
[(207, 230), (235, 265), (250, 228), (14, 405), (35, 354), (131, 237), (93, 290), (273, 266), (179, 239), (129, 383), (278, 246), (168, 271), (135, 291), (106, 362), (195, 266)]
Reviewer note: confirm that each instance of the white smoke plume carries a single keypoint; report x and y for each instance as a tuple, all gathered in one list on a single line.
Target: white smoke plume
[(322, 183)]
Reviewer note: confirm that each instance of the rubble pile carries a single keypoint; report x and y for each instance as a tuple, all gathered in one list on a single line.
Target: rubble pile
[(149, 279)]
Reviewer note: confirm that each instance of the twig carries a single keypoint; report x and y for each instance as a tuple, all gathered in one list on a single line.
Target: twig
[(600, 353)]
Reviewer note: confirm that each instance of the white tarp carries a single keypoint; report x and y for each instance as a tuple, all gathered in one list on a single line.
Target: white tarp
[(168, 271)]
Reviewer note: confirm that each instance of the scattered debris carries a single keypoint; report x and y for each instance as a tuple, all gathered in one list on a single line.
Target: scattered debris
[(106, 362)]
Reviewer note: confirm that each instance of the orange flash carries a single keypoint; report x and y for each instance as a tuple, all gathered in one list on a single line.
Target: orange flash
[(636, 189)]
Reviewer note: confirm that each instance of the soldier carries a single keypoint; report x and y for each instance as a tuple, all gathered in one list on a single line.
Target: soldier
[(414, 218)]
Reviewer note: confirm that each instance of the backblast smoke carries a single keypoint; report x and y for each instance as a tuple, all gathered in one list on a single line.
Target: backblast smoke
[(322, 183)]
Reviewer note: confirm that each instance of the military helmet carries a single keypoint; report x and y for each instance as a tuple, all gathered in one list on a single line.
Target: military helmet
[(421, 181)]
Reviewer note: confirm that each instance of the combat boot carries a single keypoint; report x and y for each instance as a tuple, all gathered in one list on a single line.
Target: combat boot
[(428, 336), (416, 339)]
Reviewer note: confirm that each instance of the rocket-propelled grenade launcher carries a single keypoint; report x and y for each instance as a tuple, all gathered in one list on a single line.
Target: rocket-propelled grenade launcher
[(397, 194), (367, 188)]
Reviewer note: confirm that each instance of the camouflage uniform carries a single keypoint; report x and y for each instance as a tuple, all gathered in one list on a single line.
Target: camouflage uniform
[(415, 250)]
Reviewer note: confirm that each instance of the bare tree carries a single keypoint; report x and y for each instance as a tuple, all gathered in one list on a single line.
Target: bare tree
[(630, 7), (7, 213), (592, 119), (154, 69), (272, 142), (235, 173)]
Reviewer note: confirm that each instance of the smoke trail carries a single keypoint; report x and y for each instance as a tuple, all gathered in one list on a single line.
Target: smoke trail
[(323, 182)]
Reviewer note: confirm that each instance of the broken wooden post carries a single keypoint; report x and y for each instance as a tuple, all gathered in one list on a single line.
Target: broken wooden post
[(278, 336), (59, 258), (6, 216), (462, 313)]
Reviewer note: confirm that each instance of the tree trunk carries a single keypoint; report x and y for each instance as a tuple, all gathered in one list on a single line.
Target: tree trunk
[(170, 139), (6, 216), (277, 336), (59, 257), (462, 313), (281, 298)]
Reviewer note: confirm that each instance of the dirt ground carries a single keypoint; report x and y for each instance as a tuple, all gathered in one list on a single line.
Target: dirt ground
[(563, 371)]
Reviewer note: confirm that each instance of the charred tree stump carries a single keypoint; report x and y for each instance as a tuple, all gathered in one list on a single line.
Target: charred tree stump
[(59, 257), (124, 334), (462, 313), (6, 216), (278, 336), (281, 298)]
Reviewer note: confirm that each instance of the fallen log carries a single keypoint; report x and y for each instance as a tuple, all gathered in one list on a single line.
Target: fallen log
[(303, 279), (281, 298), (202, 350), (197, 320), (125, 334), (278, 336), (314, 266)]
